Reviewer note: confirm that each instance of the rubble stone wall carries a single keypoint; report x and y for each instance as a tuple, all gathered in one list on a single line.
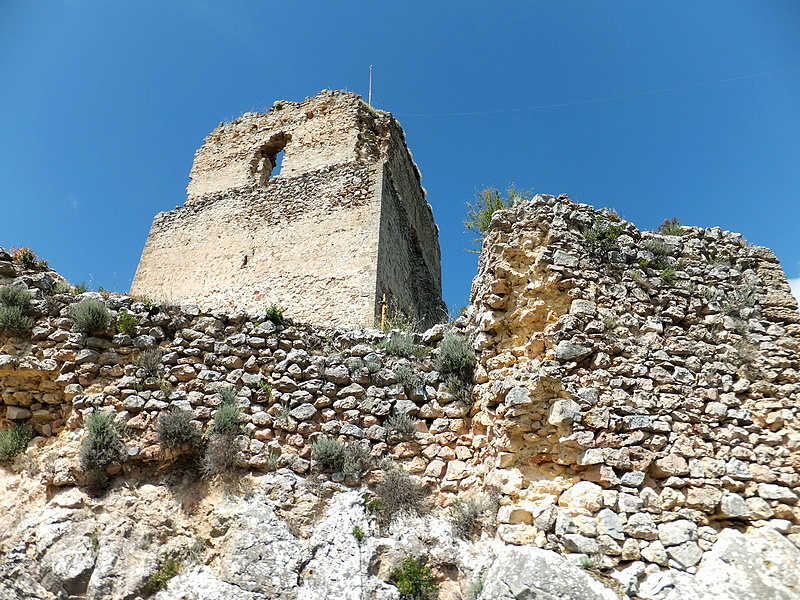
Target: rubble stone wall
[(637, 391)]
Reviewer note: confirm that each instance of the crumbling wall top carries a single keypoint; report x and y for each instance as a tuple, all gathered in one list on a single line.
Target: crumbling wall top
[(329, 129)]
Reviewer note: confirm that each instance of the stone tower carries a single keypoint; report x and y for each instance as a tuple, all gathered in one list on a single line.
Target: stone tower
[(316, 207)]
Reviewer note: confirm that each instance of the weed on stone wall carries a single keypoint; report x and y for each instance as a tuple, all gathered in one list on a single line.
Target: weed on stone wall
[(127, 323), (456, 364), (466, 517), (401, 343), (228, 417), (350, 459), (601, 237), (90, 315), (16, 295), (401, 425), (407, 378), (14, 320), (275, 314), (396, 494), (13, 441), (672, 227), (165, 570), (101, 447), (150, 361), (414, 580), (176, 430)]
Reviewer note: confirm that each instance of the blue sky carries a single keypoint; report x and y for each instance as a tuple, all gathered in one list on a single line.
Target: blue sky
[(657, 109)]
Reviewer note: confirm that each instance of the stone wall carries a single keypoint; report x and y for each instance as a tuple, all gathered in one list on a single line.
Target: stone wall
[(638, 392), (344, 222)]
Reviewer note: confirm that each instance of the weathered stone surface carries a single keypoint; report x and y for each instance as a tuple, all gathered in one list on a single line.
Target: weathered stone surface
[(327, 195), (521, 573)]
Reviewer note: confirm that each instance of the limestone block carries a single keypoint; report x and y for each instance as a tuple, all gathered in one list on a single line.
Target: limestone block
[(677, 532), (564, 412), (585, 495)]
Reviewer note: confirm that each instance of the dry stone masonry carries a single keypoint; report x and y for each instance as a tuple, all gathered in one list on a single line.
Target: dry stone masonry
[(637, 392), (343, 224), (635, 409)]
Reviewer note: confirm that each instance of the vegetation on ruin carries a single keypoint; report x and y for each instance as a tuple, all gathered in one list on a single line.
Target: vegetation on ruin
[(90, 315), (414, 580), (13, 441), (127, 323), (486, 203), (175, 429)]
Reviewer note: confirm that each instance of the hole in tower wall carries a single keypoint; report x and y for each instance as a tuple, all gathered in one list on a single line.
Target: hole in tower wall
[(268, 158)]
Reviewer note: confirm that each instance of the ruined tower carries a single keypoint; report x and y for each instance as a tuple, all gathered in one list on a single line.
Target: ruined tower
[(315, 206)]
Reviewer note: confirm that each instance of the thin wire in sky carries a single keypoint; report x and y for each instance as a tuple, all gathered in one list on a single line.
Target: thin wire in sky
[(596, 100)]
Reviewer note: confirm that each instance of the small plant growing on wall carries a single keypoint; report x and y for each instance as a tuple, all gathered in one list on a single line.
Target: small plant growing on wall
[(672, 227), (275, 314), (127, 323), (101, 447), (414, 580), (175, 429), (487, 202), (90, 315), (13, 441)]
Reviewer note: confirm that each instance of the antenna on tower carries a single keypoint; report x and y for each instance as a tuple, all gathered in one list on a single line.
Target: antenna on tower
[(369, 96)]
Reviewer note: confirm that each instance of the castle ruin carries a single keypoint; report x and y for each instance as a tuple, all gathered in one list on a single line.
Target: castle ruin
[(339, 226)]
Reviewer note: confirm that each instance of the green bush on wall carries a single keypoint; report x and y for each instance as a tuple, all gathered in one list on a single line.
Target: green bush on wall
[(414, 580), (90, 315), (13, 441)]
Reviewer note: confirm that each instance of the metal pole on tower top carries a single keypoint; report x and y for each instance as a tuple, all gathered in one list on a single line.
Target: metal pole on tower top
[(369, 96)]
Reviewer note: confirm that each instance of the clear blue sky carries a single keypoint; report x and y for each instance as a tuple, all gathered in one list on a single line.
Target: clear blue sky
[(658, 109)]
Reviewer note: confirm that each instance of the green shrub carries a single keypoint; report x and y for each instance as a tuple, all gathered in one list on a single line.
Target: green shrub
[(394, 318), (13, 319), (475, 587), (13, 441), (175, 429), (90, 315), (102, 445), (401, 344), (265, 388), (328, 452), (29, 259), (16, 295), (81, 288), (227, 419), (275, 314), (127, 323), (150, 361), (672, 227), (166, 569), (456, 357), (357, 460), (487, 202), (414, 580), (601, 236), (668, 275), (407, 377), (401, 424), (399, 494), (359, 534), (62, 287)]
